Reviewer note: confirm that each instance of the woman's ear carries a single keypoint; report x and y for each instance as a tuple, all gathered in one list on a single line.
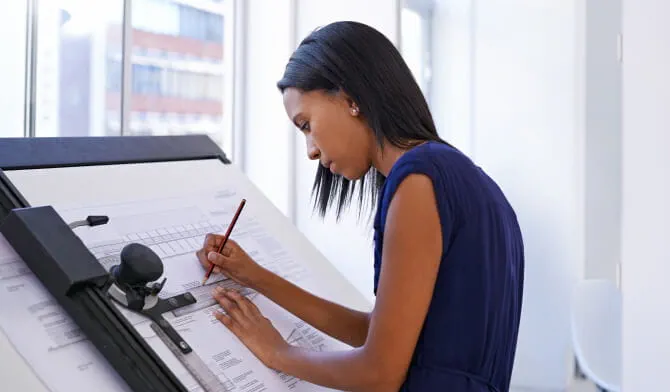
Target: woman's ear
[(353, 108)]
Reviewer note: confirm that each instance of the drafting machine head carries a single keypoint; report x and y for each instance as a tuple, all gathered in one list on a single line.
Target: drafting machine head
[(133, 287)]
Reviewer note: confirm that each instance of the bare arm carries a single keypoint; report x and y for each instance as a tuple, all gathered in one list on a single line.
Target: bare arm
[(412, 250), (344, 324), (347, 325)]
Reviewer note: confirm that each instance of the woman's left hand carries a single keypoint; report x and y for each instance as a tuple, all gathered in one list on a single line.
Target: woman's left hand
[(243, 318)]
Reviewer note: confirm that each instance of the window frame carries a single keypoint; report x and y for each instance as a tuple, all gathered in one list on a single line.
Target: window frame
[(424, 8), (228, 126)]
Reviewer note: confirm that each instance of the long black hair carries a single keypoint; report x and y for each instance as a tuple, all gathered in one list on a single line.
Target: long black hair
[(361, 62)]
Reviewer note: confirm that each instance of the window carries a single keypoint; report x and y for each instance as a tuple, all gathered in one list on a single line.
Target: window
[(178, 67), (415, 28), (200, 24), (114, 75), (174, 54), (13, 68), (147, 79), (156, 16)]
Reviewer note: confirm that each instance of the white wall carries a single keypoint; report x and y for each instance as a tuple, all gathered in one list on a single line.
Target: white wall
[(528, 136), (264, 131), (646, 192), (12, 67), (451, 92), (507, 89), (275, 157)]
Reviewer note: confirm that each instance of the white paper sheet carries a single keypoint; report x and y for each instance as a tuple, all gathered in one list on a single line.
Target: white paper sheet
[(174, 228), (44, 334)]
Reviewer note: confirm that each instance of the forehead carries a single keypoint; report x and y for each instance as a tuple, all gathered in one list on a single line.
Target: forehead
[(293, 100), (297, 101)]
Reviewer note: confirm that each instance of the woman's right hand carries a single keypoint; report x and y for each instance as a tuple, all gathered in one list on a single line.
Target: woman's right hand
[(233, 261)]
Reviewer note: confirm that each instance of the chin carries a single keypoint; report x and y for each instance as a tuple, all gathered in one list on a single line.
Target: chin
[(356, 176), (351, 175)]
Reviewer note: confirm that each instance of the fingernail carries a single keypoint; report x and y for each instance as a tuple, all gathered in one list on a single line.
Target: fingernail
[(211, 256)]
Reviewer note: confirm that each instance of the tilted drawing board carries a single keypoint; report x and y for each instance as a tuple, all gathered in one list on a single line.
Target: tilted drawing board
[(166, 192)]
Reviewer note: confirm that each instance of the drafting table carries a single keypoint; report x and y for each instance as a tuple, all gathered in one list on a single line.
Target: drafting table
[(167, 178)]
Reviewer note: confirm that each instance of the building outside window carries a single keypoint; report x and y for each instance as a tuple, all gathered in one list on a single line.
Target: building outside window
[(177, 64)]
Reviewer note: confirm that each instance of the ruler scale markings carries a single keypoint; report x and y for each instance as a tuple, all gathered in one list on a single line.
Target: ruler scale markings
[(209, 381)]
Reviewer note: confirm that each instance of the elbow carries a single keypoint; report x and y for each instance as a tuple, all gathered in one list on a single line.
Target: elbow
[(360, 334), (383, 375), (386, 381)]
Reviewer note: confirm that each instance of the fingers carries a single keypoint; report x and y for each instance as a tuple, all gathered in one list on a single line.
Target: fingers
[(232, 316), (230, 306), (228, 322), (219, 259), (212, 241), (208, 255), (204, 261), (238, 307), (230, 248), (202, 257), (216, 258), (248, 308), (227, 250)]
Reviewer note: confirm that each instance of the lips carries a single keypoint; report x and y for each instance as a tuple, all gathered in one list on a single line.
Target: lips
[(328, 165)]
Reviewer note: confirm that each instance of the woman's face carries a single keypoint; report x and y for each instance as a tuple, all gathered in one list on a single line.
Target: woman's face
[(335, 132)]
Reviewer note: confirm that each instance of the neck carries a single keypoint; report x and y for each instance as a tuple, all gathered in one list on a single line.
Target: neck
[(384, 161)]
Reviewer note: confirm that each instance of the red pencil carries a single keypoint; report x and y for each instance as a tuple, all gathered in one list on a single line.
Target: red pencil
[(225, 238)]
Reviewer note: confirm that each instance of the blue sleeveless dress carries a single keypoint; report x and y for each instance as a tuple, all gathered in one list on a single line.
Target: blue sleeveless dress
[(469, 337)]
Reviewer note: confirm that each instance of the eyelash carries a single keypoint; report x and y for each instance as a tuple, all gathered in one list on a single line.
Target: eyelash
[(304, 126)]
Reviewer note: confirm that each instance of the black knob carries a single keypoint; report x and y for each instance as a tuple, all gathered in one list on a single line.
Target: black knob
[(139, 265)]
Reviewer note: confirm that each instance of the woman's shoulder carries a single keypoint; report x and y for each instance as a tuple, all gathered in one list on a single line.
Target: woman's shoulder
[(434, 159), (458, 183)]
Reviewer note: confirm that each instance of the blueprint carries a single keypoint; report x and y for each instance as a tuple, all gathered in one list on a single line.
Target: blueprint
[(175, 227)]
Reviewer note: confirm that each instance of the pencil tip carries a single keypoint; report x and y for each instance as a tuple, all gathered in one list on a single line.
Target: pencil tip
[(204, 280)]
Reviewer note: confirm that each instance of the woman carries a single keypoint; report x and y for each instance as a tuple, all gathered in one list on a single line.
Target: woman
[(448, 255)]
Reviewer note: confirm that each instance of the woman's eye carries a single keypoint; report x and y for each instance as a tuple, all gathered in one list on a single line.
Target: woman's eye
[(304, 126)]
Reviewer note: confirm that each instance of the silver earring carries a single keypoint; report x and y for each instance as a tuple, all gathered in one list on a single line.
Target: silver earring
[(354, 111)]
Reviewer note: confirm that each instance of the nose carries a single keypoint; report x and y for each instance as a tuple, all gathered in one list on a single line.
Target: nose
[(313, 152)]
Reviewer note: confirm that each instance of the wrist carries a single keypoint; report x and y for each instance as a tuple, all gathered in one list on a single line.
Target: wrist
[(262, 280), (280, 358)]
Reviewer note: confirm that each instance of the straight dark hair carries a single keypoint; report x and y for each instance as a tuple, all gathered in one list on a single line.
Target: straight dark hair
[(361, 62)]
